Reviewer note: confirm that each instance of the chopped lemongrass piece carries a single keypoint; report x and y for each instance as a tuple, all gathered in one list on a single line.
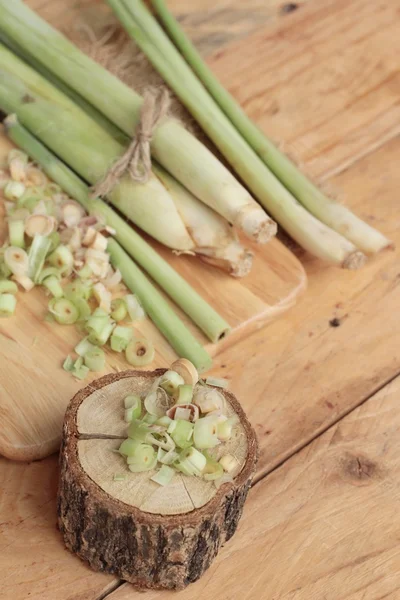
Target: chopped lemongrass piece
[(54, 240), (170, 457), (187, 412), (72, 213), (208, 400), (75, 241), (226, 478), (37, 255), (164, 476), (127, 447), (95, 359), (149, 420), (113, 280), (68, 364), (157, 402), (64, 311), (224, 429), (140, 352), (16, 231), (16, 260), (13, 190), (103, 296), (63, 259), (49, 272), (119, 310), (39, 224), (186, 370), (161, 439), (144, 458), (8, 303), (25, 282), (191, 462), (77, 289), (52, 283), (172, 426), (213, 469), (134, 307), (83, 347), (160, 454), (170, 382), (185, 394), (83, 308), (134, 403), (85, 272), (8, 287), (229, 463), (100, 242), (217, 382), (164, 421), (205, 432), (99, 336), (17, 167), (89, 236), (52, 189), (80, 372), (182, 433), (18, 214), (120, 338), (119, 477), (35, 177)]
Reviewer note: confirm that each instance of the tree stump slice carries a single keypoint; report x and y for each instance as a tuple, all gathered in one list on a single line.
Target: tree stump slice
[(152, 536)]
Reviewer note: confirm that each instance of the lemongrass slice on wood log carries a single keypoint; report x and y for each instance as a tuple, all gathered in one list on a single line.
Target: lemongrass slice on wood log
[(153, 536)]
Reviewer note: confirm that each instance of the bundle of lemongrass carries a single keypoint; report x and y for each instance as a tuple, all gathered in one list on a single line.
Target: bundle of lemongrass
[(61, 244), (323, 227)]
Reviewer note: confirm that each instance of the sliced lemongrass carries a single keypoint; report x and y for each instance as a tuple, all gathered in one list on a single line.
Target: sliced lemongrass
[(37, 255), (113, 279), (4, 270), (162, 440), (16, 232), (134, 403), (164, 476), (25, 282), (170, 382), (80, 373), (144, 458), (185, 394), (120, 338), (205, 434), (224, 429), (8, 287), (127, 448), (229, 463), (40, 208), (64, 311), (191, 462), (213, 469), (208, 400), (84, 309), (52, 284), (71, 213), (85, 272), (8, 303), (83, 347), (129, 415), (140, 352), (18, 214), (89, 237), (77, 289), (100, 242), (54, 240), (17, 166), (157, 402), (75, 241), (100, 336), (95, 359), (39, 224), (186, 412), (68, 364), (35, 177), (217, 382), (103, 296), (160, 454), (78, 362), (119, 310), (169, 458), (164, 421), (134, 307), (52, 189), (186, 370), (149, 420), (119, 477), (16, 259), (13, 190), (226, 478), (182, 433), (63, 259), (172, 426), (49, 272)]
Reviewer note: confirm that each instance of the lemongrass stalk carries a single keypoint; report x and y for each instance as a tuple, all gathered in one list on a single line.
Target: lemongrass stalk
[(313, 235), (336, 216), (173, 284), (176, 149)]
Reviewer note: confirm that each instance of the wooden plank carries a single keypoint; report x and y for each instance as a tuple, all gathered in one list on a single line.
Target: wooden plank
[(323, 526)]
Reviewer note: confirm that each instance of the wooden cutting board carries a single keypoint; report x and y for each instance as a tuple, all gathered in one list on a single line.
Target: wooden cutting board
[(34, 389)]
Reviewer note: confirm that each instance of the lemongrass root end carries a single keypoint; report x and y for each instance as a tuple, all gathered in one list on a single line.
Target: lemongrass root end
[(256, 224), (354, 261)]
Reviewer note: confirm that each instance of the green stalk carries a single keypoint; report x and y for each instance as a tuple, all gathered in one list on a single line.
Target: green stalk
[(313, 235), (205, 317), (173, 146), (336, 216)]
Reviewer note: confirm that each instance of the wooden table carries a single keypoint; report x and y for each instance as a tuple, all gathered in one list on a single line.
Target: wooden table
[(321, 386)]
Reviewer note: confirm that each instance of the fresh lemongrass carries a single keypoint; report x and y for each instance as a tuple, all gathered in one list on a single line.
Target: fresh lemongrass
[(13, 190), (80, 372), (184, 412), (63, 259), (39, 224), (335, 215), (170, 457), (217, 382), (182, 433), (191, 462), (213, 469), (99, 330), (314, 236), (134, 404), (157, 402), (208, 400), (134, 307), (140, 352), (225, 428), (229, 463), (52, 284), (16, 232), (170, 382), (83, 307), (185, 394), (205, 432), (8, 287), (64, 311), (8, 303), (127, 448), (164, 421), (176, 149), (68, 364), (186, 370), (164, 475), (25, 282), (119, 309), (120, 338), (150, 420), (37, 255), (95, 359), (174, 285), (16, 259), (83, 347), (144, 458), (77, 289)]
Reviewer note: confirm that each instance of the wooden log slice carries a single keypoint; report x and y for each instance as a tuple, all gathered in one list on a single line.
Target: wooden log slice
[(152, 536)]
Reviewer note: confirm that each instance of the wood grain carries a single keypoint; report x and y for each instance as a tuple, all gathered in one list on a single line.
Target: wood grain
[(324, 526)]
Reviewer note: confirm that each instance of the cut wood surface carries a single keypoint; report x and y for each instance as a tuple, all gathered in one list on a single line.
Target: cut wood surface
[(305, 372)]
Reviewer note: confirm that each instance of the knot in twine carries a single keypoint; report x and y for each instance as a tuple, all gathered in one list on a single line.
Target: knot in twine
[(136, 160)]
